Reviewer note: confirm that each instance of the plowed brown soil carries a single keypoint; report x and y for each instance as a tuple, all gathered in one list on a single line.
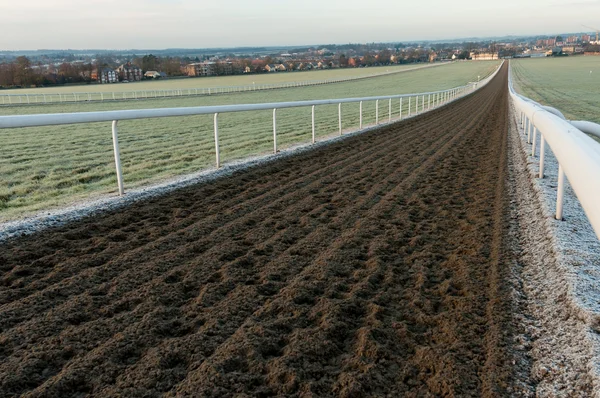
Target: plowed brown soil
[(373, 266)]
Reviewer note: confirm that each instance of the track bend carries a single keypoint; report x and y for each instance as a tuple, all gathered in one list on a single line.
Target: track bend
[(371, 266)]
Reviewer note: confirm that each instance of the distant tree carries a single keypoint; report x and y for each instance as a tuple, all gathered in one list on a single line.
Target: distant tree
[(384, 57), (171, 66), (150, 62), (343, 61), (7, 74), (464, 55), (23, 75), (368, 59)]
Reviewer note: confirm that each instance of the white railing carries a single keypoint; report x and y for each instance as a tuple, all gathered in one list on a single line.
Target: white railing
[(417, 104), (578, 155), (50, 98)]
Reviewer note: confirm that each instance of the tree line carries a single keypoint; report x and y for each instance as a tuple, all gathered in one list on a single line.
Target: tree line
[(22, 72)]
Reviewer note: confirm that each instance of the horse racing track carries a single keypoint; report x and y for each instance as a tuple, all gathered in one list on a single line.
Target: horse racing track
[(376, 265)]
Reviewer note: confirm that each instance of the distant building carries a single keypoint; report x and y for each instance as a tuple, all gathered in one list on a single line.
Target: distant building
[(572, 50), (130, 72), (105, 76), (483, 56), (209, 68)]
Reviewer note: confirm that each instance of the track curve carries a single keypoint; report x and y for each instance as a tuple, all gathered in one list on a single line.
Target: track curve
[(372, 266)]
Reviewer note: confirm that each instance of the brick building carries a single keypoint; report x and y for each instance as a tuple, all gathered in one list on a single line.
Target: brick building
[(209, 69), (130, 72), (105, 75)]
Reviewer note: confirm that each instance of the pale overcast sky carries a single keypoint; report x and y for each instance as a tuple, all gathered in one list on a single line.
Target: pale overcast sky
[(156, 24)]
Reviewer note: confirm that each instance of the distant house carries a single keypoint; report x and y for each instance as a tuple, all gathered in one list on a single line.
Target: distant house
[(105, 75), (129, 72), (247, 69), (280, 68), (209, 68), (201, 69), (271, 68)]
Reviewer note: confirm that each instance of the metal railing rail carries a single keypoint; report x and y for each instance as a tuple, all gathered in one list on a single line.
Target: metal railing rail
[(578, 155), (50, 98), (423, 102)]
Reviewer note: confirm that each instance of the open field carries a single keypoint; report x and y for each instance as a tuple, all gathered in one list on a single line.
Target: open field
[(376, 266), (564, 83), (220, 81), (50, 166)]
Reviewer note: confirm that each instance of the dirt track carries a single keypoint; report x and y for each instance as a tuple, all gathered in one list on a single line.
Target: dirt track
[(373, 266)]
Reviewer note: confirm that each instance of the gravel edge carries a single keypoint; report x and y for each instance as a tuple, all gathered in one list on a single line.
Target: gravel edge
[(560, 282)]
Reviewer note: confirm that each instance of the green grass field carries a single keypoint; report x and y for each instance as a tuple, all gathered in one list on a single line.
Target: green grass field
[(570, 84), (45, 167), (218, 81)]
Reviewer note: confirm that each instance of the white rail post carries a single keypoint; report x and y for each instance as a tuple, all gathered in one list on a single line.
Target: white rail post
[(534, 141), (416, 104), (400, 108), (216, 124), (428, 101), (275, 130), (542, 154), (423, 103), (390, 111), (409, 99), (313, 124), (560, 193), (529, 126), (340, 117), (115, 137), (377, 112), (361, 116)]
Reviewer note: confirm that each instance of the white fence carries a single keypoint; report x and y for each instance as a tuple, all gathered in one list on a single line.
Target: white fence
[(578, 155), (50, 98), (413, 103)]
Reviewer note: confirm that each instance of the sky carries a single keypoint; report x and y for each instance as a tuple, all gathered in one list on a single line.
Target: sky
[(158, 24)]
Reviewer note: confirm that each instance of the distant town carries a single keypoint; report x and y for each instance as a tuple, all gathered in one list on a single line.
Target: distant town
[(53, 67)]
